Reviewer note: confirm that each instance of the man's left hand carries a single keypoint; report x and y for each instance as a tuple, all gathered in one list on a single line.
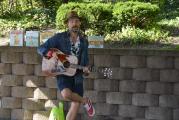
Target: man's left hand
[(86, 71)]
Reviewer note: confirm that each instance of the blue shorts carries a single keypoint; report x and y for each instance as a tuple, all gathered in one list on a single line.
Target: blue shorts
[(69, 82)]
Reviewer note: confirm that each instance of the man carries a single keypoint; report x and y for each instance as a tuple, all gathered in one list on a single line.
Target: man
[(71, 42)]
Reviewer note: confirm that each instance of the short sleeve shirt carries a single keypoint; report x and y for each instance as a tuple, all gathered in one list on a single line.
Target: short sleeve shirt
[(75, 47)]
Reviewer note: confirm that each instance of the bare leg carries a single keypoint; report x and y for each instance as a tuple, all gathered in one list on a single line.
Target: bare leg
[(72, 113), (67, 94), (75, 99)]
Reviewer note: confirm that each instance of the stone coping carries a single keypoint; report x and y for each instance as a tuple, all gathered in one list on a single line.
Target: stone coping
[(104, 51)]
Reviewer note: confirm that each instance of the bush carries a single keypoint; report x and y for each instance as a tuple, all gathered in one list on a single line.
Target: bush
[(96, 17), (65, 8), (30, 19), (131, 35), (100, 18), (135, 14), (38, 17), (171, 22)]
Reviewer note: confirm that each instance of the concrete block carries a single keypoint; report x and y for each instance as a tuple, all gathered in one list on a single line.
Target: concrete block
[(96, 96), (145, 74), (176, 88), (41, 115), (106, 85), (31, 58), (176, 62), (131, 111), (158, 113), (45, 93), (11, 80), (106, 109), (51, 82), (50, 104), (0, 103), (140, 119), (132, 61), (142, 99), (33, 81), (131, 86), (11, 102), (5, 114), (175, 114), (104, 117), (169, 101), (107, 60), (22, 69), (169, 75), (160, 62), (5, 91), (118, 98), (22, 92), (88, 84), (11, 57), (5, 68), (38, 70), (21, 114), (159, 88), (121, 73), (33, 104)]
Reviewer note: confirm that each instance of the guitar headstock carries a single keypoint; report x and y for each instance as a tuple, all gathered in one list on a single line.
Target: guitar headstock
[(106, 71), (102, 71)]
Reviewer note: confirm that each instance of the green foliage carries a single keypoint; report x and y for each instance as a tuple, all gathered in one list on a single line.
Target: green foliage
[(160, 3), (170, 25), (95, 16), (66, 8), (135, 14), (30, 19), (171, 22), (90, 1), (16, 7), (100, 18), (28, 14), (39, 17), (170, 5), (133, 35)]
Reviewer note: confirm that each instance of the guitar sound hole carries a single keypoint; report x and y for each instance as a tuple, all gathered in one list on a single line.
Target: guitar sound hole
[(66, 64)]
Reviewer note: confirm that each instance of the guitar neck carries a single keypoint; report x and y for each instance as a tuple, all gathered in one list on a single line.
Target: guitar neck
[(76, 66), (91, 68)]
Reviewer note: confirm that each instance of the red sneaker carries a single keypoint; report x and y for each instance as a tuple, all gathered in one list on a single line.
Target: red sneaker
[(89, 108)]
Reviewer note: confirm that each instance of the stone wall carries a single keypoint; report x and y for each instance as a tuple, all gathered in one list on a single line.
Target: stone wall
[(144, 85)]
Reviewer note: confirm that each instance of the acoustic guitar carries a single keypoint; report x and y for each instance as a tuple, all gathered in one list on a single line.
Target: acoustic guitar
[(67, 65)]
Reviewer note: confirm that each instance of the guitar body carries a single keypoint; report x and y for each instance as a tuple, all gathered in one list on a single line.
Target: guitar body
[(56, 65), (71, 71), (67, 65)]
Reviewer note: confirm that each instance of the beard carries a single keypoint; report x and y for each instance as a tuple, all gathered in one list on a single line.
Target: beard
[(75, 29)]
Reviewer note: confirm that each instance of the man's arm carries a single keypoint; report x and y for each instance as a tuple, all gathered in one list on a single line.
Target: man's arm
[(50, 43), (86, 57)]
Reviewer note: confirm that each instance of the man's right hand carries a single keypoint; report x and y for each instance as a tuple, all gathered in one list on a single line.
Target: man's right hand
[(51, 53), (48, 73)]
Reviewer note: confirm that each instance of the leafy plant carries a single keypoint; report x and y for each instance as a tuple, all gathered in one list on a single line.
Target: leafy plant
[(133, 35), (136, 14), (95, 16)]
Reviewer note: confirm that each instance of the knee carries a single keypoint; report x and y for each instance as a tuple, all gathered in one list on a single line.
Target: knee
[(66, 94), (77, 104)]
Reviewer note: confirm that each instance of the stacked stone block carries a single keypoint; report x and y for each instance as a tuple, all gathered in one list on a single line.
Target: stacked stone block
[(24, 90), (143, 85)]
